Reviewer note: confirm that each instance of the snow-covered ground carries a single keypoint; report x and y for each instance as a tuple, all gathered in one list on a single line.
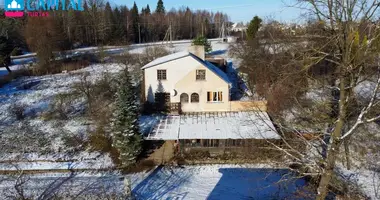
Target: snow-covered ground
[(36, 94), (42, 138), (189, 182)]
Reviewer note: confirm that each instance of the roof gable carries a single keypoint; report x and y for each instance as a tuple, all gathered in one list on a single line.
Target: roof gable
[(184, 54), (213, 68), (167, 58)]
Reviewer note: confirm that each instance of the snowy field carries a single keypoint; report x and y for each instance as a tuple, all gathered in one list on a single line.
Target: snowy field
[(43, 137), (220, 182)]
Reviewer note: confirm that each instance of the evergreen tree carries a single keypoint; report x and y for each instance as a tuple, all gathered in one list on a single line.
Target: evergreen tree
[(125, 128), (160, 7), (147, 10), (135, 22), (201, 40), (253, 27)]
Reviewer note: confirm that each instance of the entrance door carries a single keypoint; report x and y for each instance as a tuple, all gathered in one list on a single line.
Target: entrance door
[(162, 101)]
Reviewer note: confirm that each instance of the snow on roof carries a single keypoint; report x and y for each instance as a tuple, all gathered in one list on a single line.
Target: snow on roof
[(217, 71), (213, 68), (167, 58), (222, 125), (183, 54)]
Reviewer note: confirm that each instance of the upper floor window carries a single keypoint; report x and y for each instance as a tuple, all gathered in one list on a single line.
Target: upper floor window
[(214, 96), (201, 74), (161, 74)]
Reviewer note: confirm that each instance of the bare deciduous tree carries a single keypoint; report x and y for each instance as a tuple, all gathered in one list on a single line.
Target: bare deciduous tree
[(327, 81)]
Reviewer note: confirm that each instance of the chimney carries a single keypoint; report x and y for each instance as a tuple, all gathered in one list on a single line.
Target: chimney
[(197, 50)]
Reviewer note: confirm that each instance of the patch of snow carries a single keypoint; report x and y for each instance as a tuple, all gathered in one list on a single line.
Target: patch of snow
[(167, 58)]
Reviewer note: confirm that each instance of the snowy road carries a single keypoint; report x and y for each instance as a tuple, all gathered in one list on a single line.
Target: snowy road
[(190, 182)]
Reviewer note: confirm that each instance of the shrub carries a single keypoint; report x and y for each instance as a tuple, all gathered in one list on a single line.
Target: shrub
[(17, 111), (100, 141), (195, 154), (74, 142)]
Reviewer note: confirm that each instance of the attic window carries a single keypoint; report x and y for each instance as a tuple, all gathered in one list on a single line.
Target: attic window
[(201, 75), (161, 74)]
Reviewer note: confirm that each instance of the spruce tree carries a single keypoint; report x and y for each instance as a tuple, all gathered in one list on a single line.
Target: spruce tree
[(135, 22), (160, 7), (253, 27), (125, 128), (147, 10)]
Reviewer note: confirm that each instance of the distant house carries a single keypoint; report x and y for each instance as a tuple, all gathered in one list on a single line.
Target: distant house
[(238, 27), (186, 81)]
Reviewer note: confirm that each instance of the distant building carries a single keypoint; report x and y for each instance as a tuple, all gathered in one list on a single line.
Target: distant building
[(238, 27)]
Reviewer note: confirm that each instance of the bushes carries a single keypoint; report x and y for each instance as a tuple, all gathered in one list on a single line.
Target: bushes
[(195, 154), (101, 141), (60, 106), (74, 142), (17, 111)]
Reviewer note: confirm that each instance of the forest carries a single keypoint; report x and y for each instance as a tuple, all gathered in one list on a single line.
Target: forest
[(101, 24)]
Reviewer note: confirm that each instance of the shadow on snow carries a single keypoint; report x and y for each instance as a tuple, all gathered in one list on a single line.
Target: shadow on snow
[(235, 183)]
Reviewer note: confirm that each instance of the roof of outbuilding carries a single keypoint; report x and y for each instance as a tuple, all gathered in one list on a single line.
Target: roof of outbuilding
[(183, 54), (223, 125)]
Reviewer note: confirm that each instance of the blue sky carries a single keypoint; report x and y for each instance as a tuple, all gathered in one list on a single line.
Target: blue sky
[(238, 10)]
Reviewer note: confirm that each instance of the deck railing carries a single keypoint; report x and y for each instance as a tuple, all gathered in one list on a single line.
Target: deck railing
[(175, 108)]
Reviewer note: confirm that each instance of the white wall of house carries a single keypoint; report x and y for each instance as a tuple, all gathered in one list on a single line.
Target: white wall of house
[(175, 71), (181, 77), (213, 83)]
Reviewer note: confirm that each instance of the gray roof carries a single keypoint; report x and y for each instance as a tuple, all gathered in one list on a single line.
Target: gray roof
[(222, 125)]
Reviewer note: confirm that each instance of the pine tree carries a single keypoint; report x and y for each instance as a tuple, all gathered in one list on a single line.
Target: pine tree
[(160, 7), (125, 129), (253, 27)]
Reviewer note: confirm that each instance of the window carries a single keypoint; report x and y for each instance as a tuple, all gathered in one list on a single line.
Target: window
[(161, 74), (194, 98), (184, 98), (214, 96), (201, 74)]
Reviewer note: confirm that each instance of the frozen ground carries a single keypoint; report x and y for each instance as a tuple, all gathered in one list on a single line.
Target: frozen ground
[(42, 138), (190, 182)]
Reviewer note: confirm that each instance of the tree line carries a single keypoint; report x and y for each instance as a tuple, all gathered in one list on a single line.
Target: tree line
[(101, 24)]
